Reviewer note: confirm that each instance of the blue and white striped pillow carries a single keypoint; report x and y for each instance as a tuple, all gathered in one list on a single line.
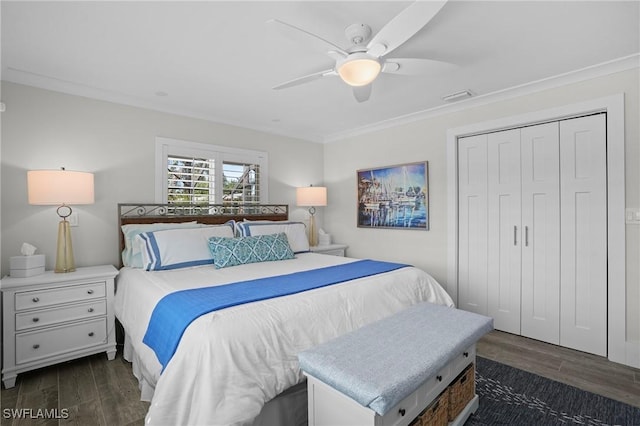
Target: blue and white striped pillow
[(239, 251), (296, 232), (180, 248), (131, 254)]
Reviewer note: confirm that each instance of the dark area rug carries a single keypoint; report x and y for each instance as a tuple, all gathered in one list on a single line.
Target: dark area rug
[(509, 396)]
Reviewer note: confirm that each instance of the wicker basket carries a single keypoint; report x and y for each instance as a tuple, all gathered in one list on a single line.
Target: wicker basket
[(436, 413), (461, 391)]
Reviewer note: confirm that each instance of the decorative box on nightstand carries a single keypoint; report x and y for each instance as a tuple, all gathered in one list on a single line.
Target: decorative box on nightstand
[(50, 318), (332, 249)]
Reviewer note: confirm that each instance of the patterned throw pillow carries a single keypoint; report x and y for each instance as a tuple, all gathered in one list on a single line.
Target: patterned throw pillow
[(239, 251)]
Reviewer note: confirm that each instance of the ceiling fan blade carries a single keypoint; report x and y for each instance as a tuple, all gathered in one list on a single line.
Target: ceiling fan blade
[(296, 31), (305, 79), (415, 66), (362, 93), (403, 26)]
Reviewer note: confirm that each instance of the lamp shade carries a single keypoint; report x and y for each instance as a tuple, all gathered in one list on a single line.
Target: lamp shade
[(313, 196), (59, 187)]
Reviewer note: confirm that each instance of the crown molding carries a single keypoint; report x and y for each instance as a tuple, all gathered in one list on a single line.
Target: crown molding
[(599, 70), (41, 81), (29, 78)]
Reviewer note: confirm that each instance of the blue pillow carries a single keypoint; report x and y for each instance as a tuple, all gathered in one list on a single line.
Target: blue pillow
[(239, 251)]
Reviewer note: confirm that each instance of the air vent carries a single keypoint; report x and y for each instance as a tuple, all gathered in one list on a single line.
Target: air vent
[(464, 94)]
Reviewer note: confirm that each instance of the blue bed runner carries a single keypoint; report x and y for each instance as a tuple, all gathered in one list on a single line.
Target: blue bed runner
[(175, 311)]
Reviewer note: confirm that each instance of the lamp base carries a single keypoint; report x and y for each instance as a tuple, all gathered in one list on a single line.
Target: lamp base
[(313, 232), (64, 254)]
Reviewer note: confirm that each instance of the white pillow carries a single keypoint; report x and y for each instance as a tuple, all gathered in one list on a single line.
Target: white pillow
[(296, 232), (179, 248), (131, 255)]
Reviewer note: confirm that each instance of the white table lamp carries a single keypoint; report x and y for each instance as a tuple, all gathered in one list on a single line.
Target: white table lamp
[(61, 187), (312, 197)]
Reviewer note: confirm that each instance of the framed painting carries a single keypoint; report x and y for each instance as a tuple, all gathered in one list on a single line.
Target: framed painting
[(395, 197)]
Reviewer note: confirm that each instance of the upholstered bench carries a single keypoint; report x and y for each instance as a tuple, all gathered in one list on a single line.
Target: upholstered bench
[(390, 371)]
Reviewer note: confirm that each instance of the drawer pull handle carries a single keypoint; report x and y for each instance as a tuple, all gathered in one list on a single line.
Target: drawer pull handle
[(466, 354), (439, 378), (91, 334), (36, 319), (90, 310), (402, 412), (89, 291), (35, 300), (36, 346)]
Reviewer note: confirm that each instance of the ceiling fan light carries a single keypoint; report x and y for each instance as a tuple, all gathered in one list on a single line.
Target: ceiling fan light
[(359, 71)]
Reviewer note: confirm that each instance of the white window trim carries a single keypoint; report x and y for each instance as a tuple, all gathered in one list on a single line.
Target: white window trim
[(166, 146)]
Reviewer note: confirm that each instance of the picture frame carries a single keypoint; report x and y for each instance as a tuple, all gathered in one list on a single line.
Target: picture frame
[(394, 197)]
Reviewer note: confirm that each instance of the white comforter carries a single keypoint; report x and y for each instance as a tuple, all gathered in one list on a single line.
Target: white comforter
[(230, 362)]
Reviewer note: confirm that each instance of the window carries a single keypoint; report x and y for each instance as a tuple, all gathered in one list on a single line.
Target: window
[(190, 180), (240, 182), (196, 173)]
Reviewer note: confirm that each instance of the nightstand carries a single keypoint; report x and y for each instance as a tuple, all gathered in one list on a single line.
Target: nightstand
[(332, 249), (56, 317)]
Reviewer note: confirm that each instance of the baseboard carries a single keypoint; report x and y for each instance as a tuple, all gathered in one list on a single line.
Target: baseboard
[(632, 353)]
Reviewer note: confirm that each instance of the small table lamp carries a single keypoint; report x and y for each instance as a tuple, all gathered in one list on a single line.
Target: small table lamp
[(61, 187), (312, 197)]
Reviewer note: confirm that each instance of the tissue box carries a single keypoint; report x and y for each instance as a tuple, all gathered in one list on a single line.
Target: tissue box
[(324, 239), (26, 266)]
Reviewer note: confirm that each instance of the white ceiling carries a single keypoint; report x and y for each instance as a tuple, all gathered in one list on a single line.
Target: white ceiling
[(219, 60)]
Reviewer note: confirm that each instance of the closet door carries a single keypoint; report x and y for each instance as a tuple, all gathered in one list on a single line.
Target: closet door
[(541, 226), (583, 297), (472, 224), (504, 229)]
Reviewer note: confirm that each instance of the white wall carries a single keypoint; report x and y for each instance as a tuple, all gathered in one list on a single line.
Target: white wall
[(426, 140), (46, 130), (43, 129)]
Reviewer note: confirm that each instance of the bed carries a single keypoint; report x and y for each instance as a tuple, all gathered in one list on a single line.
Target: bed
[(238, 365)]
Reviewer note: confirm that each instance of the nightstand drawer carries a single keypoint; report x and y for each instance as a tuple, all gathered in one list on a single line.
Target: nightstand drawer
[(334, 252), (330, 249), (32, 346), (42, 317), (38, 298)]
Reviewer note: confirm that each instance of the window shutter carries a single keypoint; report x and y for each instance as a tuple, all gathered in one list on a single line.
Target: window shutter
[(190, 180), (196, 173), (241, 182)]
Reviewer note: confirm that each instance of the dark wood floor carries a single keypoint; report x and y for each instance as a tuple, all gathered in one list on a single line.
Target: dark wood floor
[(93, 390), (585, 371), (100, 392)]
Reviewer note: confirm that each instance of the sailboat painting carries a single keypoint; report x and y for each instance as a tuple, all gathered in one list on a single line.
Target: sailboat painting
[(394, 197)]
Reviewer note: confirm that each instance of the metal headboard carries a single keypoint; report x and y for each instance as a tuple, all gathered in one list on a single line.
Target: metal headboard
[(211, 214)]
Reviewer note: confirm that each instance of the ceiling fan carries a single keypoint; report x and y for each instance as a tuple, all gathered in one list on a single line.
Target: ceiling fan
[(361, 63)]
